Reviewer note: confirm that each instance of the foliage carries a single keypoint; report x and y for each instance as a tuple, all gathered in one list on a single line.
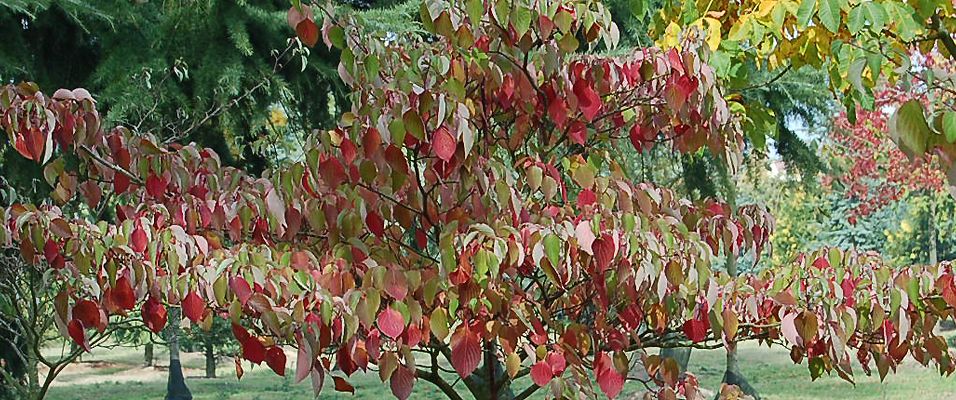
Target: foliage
[(468, 209)]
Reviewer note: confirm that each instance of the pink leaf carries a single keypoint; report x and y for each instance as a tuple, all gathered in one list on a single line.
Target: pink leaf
[(303, 363), (241, 287), (391, 323), (609, 379), (443, 143), (541, 373)]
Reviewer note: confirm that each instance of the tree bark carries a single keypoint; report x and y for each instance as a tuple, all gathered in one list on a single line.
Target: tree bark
[(933, 256), (176, 388), (210, 357), (148, 355)]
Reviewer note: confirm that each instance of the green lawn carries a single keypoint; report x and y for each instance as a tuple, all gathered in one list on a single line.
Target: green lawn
[(770, 371)]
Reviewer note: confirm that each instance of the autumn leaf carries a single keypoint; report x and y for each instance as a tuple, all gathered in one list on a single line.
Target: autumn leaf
[(465, 351), (444, 144), (275, 359), (391, 322), (193, 307)]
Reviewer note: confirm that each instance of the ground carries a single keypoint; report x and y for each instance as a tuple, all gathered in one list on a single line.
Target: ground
[(114, 374)]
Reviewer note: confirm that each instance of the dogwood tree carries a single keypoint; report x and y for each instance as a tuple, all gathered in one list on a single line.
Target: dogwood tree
[(467, 212)]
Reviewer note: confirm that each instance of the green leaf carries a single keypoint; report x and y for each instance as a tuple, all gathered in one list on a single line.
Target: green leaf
[(475, 11), (830, 14), (805, 12), (552, 248), (817, 367), (638, 8), (949, 126), (521, 20), (911, 129), (875, 14), (856, 20)]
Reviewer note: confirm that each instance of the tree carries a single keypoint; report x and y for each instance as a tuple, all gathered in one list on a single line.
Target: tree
[(467, 209), (213, 337)]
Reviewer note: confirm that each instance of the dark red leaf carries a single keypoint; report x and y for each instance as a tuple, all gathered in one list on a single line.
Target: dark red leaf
[(558, 111), (87, 312), (308, 32), (51, 250), (156, 186), (138, 240), (332, 172), (391, 322), (371, 142), (348, 151), (193, 306), (239, 332), (122, 294), (75, 329), (342, 385), (275, 359), (253, 350), (402, 382), (444, 144), (375, 223), (154, 315), (696, 329), (603, 248)]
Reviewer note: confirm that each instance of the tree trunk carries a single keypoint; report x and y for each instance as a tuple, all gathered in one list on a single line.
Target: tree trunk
[(210, 357), (732, 374), (176, 388), (148, 355), (490, 382), (933, 256)]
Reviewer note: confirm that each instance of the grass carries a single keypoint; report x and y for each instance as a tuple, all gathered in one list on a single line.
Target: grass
[(769, 370)]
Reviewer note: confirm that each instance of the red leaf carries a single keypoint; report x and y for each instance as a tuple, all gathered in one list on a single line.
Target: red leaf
[(541, 373), (588, 101), (402, 382), (391, 322), (696, 329), (75, 328), (443, 144), (465, 351), (275, 359), (348, 151), (253, 350), (371, 142), (308, 32), (821, 263), (239, 332), (610, 381), (586, 198), (122, 294), (375, 223), (51, 250), (120, 183), (193, 306), (87, 312), (138, 240), (154, 315), (156, 186), (603, 248), (332, 172), (578, 133), (641, 137), (342, 385), (241, 287), (558, 111)]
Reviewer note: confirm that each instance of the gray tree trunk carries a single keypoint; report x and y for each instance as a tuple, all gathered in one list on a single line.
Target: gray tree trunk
[(210, 358), (148, 355), (176, 388)]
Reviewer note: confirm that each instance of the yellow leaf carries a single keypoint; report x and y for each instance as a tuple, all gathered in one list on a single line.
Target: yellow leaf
[(713, 33)]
